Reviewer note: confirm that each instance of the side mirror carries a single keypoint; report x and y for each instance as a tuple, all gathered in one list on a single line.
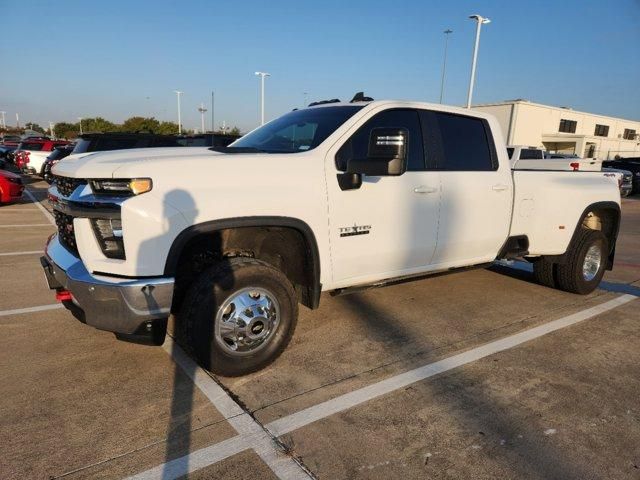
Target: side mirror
[(387, 154)]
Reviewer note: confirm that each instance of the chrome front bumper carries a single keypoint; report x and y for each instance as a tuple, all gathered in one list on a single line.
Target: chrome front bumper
[(116, 305)]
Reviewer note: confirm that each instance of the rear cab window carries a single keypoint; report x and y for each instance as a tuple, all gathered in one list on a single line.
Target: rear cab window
[(458, 142)]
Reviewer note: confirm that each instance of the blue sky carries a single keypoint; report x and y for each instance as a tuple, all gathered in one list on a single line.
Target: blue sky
[(65, 59)]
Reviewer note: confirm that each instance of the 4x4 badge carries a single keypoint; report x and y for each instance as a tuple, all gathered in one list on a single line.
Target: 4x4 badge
[(355, 230)]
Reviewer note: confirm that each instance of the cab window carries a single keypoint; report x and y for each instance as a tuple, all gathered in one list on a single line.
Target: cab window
[(357, 146)]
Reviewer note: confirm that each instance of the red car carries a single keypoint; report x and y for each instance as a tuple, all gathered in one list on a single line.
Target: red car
[(11, 187)]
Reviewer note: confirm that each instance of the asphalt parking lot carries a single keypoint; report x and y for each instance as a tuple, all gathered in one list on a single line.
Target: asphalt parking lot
[(481, 374)]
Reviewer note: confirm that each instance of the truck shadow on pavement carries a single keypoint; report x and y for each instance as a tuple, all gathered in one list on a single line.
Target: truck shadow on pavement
[(490, 423), (524, 271), (180, 427)]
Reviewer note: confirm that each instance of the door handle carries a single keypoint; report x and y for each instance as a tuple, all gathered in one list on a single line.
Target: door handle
[(425, 189), (500, 187)]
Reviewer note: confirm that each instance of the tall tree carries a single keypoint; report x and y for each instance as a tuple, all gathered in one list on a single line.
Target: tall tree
[(168, 128), (66, 130), (99, 125), (141, 124)]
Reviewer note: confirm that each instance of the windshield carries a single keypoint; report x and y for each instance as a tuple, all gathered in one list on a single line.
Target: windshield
[(297, 131)]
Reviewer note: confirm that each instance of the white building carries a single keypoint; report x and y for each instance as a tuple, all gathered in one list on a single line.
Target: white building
[(563, 130)]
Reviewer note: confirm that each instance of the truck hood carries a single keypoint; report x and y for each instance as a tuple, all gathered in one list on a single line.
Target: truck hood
[(106, 164)]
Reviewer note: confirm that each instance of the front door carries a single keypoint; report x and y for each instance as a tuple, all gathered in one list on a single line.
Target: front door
[(388, 227)]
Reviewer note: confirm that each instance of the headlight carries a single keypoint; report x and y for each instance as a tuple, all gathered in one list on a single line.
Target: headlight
[(128, 187)]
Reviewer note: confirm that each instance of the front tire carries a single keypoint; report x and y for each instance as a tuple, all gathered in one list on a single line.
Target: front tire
[(239, 316), (586, 263)]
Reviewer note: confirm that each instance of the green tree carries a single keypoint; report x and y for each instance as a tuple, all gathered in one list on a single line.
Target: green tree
[(99, 125), (141, 124), (168, 128), (234, 131), (35, 127), (66, 130)]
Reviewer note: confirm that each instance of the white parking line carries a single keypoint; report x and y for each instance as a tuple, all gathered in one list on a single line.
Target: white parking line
[(39, 205), (9, 254), (27, 225), (220, 451), (284, 466), (41, 308)]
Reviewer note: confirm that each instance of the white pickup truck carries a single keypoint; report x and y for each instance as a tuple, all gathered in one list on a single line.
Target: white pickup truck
[(532, 158), (333, 197)]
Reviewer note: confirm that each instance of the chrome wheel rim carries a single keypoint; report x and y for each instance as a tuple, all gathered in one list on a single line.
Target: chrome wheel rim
[(247, 321), (592, 262)]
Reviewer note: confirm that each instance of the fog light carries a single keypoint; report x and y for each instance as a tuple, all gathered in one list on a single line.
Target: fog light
[(108, 232)]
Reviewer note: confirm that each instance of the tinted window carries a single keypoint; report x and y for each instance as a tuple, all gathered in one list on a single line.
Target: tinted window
[(531, 154), (34, 147), (601, 131), (297, 131), (567, 126), (358, 145), (465, 145), (510, 152)]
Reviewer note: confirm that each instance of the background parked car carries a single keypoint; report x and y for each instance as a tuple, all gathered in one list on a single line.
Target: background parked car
[(208, 140), (631, 164), (99, 142), (31, 153), (54, 157), (625, 180), (6, 155), (11, 187), (10, 140)]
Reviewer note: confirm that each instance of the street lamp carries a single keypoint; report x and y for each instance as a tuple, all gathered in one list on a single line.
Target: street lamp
[(80, 119), (178, 93), (202, 111), (480, 20), (305, 99), (262, 75), (444, 63)]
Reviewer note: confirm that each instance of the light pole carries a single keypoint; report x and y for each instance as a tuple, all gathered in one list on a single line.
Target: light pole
[(480, 20), (305, 99), (444, 63), (213, 117), (51, 125), (202, 111), (80, 119), (262, 75), (4, 124), (178, 93)]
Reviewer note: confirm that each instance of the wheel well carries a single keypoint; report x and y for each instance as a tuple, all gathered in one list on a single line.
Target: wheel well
[(286, 248), (606, 219)]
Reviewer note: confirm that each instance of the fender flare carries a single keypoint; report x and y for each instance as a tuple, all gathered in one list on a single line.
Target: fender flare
[(608, 205), (258, 221)]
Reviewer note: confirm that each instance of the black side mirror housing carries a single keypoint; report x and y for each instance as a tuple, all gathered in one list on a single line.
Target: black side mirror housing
[(386, 156)]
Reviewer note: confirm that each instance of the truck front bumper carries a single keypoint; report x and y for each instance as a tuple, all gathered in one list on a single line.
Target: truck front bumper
[(123, 306)]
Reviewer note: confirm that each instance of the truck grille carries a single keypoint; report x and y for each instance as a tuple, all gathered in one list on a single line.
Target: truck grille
[(65, 231), (66, 185)]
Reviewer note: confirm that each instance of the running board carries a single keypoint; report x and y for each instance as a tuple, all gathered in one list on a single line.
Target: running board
[(408, 278)]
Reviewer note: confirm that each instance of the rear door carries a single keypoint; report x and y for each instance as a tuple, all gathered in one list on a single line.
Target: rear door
[(476, 199)]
